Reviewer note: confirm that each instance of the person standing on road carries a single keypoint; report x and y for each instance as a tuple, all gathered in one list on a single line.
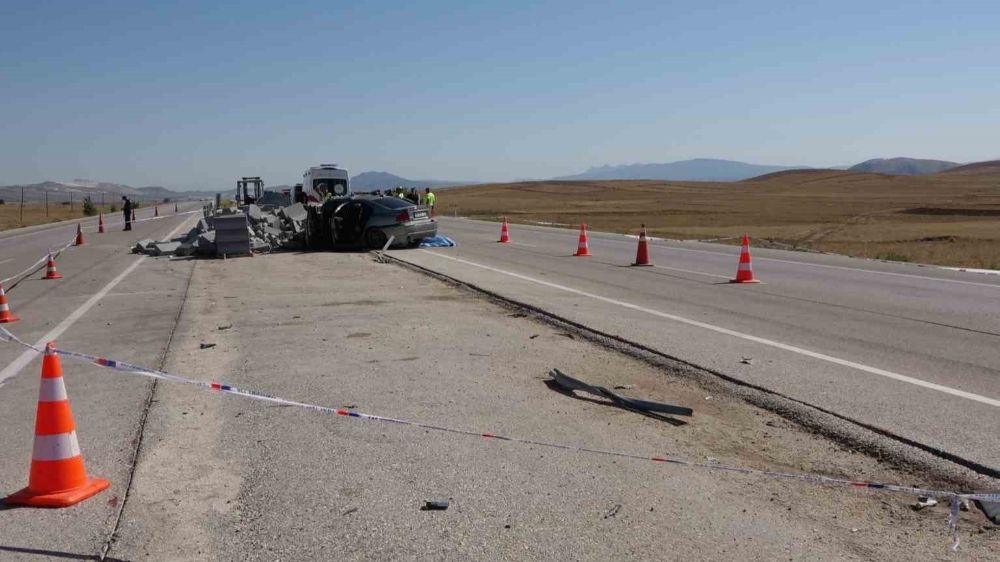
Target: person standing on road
[(413, 196), (127, 212), (429, 199)]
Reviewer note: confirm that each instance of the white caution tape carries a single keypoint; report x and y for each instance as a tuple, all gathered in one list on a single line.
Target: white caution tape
[(122, 366), (34, 267), (18, 277)]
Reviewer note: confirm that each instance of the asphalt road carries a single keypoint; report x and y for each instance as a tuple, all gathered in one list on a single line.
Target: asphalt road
[(109, 301), (912, 350), (202, 475)]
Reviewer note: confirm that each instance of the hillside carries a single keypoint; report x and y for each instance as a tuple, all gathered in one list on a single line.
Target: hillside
[(988, 168), (903, 166), (951, 219), (369, 181), (698, 169), (78, 189)]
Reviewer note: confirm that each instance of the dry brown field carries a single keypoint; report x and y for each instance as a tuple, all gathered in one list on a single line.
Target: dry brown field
[(35, 213), (946, 219)]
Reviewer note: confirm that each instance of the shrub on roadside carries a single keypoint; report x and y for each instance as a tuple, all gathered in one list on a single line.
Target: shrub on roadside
[(89, 209)]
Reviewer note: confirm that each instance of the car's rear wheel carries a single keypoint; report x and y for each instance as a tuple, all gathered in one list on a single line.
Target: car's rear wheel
[(375, 238)]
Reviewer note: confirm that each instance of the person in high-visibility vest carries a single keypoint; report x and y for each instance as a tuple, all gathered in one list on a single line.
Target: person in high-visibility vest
[(429, 198)]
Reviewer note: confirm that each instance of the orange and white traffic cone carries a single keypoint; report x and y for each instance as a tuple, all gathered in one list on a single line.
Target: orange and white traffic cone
[(79, 236), (100, 223), (744, 271), (50, 269), (582, 248), (642, 252), (156, 211), (504, 232), (5, 314), (57, 477)]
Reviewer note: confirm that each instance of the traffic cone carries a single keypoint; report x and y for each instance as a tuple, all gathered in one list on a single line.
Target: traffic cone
[(642, 252), (744, 272), (50, 269), (100, 223), (5, 314), (79, 236), (156, 211), (57, 477), (582, 249), (504, 232)]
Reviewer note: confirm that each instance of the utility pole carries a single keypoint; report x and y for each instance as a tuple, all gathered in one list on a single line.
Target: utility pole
[(102, 202), (46, 203), (21, 219), (70, 201)]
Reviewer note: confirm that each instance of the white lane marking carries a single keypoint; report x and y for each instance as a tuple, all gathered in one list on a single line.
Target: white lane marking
[(6, 260), (16, 365), (794, 262), (718, 329), (599, 238)]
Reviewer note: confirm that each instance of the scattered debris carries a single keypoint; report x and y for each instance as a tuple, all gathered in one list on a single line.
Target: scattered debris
[(569, 383), (225, 327), (613, 511), (991, 510), (439, 505), (350, 511), (207, 345), (924, 501), (624, 386), (532, 336), (747, 360), (226, 232), (566, 335)]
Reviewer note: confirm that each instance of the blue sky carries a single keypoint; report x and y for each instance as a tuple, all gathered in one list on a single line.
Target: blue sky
[(193, 94)]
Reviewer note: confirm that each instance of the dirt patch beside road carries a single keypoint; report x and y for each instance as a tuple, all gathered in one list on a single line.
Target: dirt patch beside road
[(402, 345)]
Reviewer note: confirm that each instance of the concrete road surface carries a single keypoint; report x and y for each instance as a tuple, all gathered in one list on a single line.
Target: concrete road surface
[(914, 351), (198, 475), (108, 300)]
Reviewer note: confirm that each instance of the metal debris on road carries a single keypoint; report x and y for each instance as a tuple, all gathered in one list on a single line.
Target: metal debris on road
[(990, 509), (440, 505), (225, 327), (569, 383), (207, 345), (924, 501)]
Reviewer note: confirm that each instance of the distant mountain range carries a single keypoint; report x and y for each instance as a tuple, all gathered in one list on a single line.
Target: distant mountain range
[(903, 166), (370, 181), (698, 169), (78, 189)]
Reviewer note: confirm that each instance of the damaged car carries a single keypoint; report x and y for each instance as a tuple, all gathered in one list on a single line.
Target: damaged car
[(367, 221)]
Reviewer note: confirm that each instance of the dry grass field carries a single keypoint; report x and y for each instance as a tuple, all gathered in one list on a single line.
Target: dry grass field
[(947, 219), (34, 213)]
